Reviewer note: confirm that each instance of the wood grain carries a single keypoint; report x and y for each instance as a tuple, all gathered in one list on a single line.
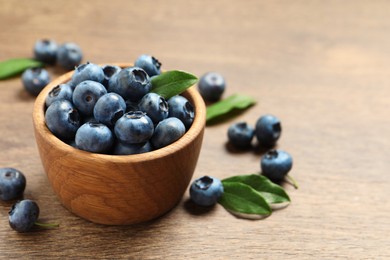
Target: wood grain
[(321, 66)]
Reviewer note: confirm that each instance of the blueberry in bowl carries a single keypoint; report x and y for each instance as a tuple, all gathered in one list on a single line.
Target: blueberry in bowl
[(109, 187)]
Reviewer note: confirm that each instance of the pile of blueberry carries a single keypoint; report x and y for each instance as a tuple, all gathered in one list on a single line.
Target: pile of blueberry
[(23, 214), (106, 109), (67, 56), (275, 164)]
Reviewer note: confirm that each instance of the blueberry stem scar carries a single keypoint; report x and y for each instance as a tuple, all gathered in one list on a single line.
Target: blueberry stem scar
[(292, 181)]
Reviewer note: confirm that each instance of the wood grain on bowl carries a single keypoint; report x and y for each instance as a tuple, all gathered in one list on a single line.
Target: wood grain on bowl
[(117, 189)]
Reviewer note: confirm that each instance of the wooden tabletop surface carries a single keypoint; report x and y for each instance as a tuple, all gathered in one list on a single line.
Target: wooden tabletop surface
[(322, 67)]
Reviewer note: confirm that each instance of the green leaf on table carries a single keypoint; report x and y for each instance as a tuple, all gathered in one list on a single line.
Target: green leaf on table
[(171, 83), (271, 192), (228, 105), (243, 201), (13, 67)]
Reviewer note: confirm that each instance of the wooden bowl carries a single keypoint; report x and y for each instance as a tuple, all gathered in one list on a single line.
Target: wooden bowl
[(119, 189)]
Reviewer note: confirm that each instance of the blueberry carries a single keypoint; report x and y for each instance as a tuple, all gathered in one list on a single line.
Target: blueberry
[(182, 109), (206, 191), (148, 63), (23, 215), (275, 165), (134, 127), (86, 94), (12, 183), (211, 86), (126, 149), (69, 55), (46, 51), (109, 108), (155, 106), (131, 83), (240, 135), (87, 71), (268, 130), (94, 137), (109, 72), (167, 131), (62, 91), (62, 119), (35, 79)]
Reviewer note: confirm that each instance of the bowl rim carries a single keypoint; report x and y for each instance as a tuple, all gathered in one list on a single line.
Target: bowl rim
[(195, 130)]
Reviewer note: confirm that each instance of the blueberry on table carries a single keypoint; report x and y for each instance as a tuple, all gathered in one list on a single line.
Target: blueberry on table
[(35, 79), (86, 94), (148, 63), (240, 135), (69, 55), (94, 137), (126, 149), (109, 72), (45, 50), (12, 183), (109, 108), (268, 130), (62, 91), (181, 108), (275, 165), (134, 127), (62, 119), (155, 106), (167, 131), (131, 83), (87, 71), (211, 86), (206, 191), (23, 215)]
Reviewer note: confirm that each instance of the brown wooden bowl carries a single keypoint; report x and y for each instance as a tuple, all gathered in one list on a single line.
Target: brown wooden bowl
[(119, 189)]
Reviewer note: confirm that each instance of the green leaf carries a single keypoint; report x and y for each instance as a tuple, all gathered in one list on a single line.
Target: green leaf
[(171, 83), (13, 67), (228, 106), (242, 200), (271, 192)]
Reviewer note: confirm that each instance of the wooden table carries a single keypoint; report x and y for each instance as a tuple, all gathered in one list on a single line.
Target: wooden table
[(323, 67)]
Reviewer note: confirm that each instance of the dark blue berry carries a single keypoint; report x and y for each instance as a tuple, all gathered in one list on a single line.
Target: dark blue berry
[(131, 83), (206, 191), (109, 72), (155, 106), (182, 109), (148, 63), (87, 71), (109, 108), (126, 149), (69, 55), (268, 130), (23, 215), (134, 127), (275, 165), (62, 91), (12, 183), (46, 51), (94, 137), (167, 131), (240, 135), (62, 119), (35, 79), (211, 86), (86, 94)]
